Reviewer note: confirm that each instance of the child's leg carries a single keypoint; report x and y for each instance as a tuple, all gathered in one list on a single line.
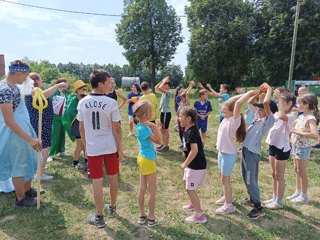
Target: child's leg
[(272, 162), (113, 181), (227, 189), (77, 150), (195, 201), (165, 136), (19, 186), (203, 137), (142, 190), (302, 173), (98, 195), (44, 152), (280, 169), (152, 187), (130, 127), (296, 170), (27, 186)]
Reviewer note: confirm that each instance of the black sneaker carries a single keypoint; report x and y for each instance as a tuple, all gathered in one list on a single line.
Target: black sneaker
[(316, 145), (32, 193), (161, 146), (25, 202), (96, 220), (255, 214), (111, 211), (164, 149), (79, 167)]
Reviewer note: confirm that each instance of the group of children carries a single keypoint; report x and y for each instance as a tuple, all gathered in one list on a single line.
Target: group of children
[(100, 122)]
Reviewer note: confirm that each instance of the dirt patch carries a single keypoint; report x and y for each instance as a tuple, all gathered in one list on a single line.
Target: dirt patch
[(9, 218)]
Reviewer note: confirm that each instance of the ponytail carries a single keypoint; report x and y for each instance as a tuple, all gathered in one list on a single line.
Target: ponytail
[(316, 114), (241, 131)]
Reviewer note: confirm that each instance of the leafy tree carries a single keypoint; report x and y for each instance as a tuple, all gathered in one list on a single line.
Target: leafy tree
[(175, 73), (220, 45), (150, 32), (48, 71)]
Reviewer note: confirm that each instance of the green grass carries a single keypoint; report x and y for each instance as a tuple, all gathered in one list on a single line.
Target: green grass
[(68, 201)]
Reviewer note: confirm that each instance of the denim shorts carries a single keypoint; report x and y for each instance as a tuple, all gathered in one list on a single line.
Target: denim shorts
[(226, 162), (301, 153)]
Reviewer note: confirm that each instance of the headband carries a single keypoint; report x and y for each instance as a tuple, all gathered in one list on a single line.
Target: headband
[(18, 68)]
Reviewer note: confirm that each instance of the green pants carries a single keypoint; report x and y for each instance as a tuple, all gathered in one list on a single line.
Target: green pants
[(58, 136)]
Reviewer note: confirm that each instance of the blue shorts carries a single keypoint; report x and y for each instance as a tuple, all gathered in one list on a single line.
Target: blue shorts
[(226, 162), (202, 124), (301, 153)]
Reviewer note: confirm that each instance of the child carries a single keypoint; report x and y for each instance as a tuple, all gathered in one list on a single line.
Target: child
[(165, 115), (100, 128), (133, 97), (184, 103), (222, 96), (151, 98), (204, 108), (252, 147), (305, 127), (147, 134), (114, 94), (195, 164), (177, 101), (279, 147), (232, 126), (18, 139), (71, 123)]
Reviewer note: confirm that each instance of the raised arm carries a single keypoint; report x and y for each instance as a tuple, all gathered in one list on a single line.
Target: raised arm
[(282, 114), (241, 100), (160, 85), (266, 101), (213, 92), (50, 91), (124, 99)]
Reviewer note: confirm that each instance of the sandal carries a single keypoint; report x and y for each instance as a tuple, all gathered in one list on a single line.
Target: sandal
[(142, 220), (152, 223)]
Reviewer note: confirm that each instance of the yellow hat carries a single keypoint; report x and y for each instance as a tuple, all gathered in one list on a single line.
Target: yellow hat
[(78, 84)]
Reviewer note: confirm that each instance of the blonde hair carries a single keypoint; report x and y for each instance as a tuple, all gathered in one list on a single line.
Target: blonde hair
[(140, 108)]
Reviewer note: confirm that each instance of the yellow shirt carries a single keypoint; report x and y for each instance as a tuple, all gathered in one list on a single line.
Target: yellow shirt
[(151, 98)]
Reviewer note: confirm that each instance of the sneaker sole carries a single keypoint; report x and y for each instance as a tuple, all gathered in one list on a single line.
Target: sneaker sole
[(259, 216), (191, 222)]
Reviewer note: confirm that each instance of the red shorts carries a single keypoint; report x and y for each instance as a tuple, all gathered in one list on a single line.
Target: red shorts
[(111, 164)]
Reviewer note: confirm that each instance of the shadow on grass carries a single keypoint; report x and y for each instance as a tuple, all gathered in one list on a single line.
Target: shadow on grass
[(29, 223)]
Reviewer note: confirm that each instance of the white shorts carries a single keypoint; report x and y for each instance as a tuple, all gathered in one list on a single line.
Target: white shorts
[(194, 178), (130, 118)]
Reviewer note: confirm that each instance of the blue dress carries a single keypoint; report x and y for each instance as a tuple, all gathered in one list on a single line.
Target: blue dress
[(17, 157), (47, 119)]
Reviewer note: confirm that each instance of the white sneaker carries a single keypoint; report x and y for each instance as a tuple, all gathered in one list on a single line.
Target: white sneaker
[(300, 200), (63, 154), (295, 195), (274, 205), (268, 201), (220, 201), (46, 177), (50, 159)]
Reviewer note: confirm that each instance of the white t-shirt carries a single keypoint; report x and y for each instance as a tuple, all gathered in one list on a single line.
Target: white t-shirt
[(97, 111), (278, 135), (58, 104)]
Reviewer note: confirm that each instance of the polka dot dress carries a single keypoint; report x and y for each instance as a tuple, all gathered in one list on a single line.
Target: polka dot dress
[(47, 118)]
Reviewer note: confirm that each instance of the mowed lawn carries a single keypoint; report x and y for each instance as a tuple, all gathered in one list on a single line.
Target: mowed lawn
[(69, 199)]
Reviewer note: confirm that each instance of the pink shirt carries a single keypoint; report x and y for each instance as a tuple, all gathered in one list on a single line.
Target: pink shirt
[(226, 139), (279, 134)]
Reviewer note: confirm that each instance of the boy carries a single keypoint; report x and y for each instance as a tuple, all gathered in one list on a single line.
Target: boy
[(100, 131), (165, 116), (204, 108), (252, 147), (149, 97)]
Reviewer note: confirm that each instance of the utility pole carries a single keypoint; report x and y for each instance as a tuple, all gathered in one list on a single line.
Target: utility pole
[(294, 43)]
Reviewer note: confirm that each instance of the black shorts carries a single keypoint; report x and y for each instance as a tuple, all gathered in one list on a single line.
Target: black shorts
[(165, 119), (75, 131), (279, 154)]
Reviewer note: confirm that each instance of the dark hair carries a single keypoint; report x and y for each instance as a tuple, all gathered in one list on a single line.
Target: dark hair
[(312, 101), (137, 86), (242, 130), (226, 87), (176, 92), (289, 97), (283, 90), (98, 76), (144, 86), (60, 80), (189, 111), (35, 77), (202, 92)]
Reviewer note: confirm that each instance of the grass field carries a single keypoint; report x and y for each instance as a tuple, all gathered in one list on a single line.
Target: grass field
[(69, 199)]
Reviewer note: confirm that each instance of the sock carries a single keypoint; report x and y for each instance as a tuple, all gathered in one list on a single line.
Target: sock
[(297, 192), (278, 200), (303, 195), (274, 197), (199, 214), (75, 162), (99, 216)]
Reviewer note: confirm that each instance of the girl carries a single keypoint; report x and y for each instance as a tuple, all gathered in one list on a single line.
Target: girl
[(177, 101), (184, 103), (147, 134), (47, 118), (133, 96), (114, 94), (305, 127), (232, 126), (18, 139), (195, 164), (279, 147)]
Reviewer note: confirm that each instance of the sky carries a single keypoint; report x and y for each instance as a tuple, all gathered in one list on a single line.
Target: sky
[(67, 37)]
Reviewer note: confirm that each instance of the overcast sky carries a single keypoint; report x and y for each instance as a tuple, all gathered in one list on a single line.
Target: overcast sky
[(66, 37)]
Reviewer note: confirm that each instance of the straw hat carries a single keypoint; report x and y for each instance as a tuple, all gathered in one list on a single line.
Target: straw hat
[(78, 84)]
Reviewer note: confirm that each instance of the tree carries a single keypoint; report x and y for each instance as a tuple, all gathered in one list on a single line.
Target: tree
[(150, 32), (174, 72), (221, 40)]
